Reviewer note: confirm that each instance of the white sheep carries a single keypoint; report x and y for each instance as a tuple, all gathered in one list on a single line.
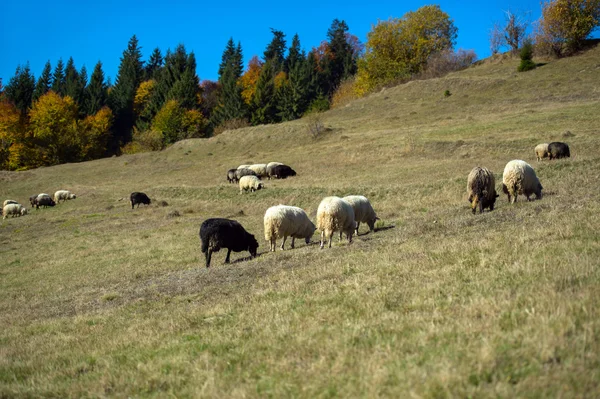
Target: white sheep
[(270, 166), (519, 178), (287, 221), (363, 211), (14, 210), (251, 183), (243, 166), (63, 195), (9, 202), (335, 214), (541, 151), (260, 169)]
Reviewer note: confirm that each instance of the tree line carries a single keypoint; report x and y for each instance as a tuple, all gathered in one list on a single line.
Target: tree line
[(65, 117)]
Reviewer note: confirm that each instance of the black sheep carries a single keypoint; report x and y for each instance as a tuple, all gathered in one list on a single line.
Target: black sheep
[(239, 173), (32, 200), (557, 150), (220, 233), (139, 198), (43, 200), (231, 178), (282, 171)]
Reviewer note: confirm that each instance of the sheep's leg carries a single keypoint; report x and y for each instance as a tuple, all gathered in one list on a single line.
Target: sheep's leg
[(340, 235), (272, 244), (480, 206), (331, 237), (293, 238), (208, 255), (322, 238), (283, 243), (228, 253), (357, 224)]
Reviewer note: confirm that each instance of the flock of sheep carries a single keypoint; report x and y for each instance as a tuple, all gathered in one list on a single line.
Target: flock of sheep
[(518, 178), (13, 208), (333, 214)]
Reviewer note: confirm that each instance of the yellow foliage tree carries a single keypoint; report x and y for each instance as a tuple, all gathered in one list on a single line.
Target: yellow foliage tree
[(175, 123), (565, 24), (94, 132), (11, 132), (249, 79), (143, 96), (399, 48)]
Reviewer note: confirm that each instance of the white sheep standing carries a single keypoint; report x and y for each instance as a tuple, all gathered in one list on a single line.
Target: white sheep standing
[(260, 169), (541, 151), (9, 202), (520, 178), (363, 211), (287, 221), (335, 214), (14, 210), (251, 183), (63, 195)]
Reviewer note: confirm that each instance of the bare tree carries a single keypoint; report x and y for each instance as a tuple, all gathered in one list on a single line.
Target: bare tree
[(496, 38), (511, 33)]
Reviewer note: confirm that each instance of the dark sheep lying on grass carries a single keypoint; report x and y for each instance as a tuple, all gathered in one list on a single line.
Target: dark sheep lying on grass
[(282, 172), (481, 189), (220, 233), (557, 150), (139, 198)]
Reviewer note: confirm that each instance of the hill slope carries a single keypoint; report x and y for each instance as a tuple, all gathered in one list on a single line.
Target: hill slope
[(100, 300)]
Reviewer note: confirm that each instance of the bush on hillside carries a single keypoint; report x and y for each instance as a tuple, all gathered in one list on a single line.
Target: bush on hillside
[(446, 61), (345, 93), (526, 57), (319, 104)]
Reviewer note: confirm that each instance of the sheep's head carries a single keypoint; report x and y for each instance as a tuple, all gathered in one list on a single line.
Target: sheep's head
[(72, 196), (371, 223), (252, 245)]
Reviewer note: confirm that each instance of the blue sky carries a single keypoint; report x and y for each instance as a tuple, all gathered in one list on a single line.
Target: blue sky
[(92, 31)]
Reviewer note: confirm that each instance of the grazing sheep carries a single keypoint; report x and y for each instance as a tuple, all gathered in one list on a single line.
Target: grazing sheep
[(243, 166), (251, 183), (239, 173), (9, 202), (231, 176), (260, 169), (32, 199), (270, 167), (43, 200), (63, 195), (139, 198), (13, 210), (541, 151), (363, 211), (282, 172), (283, 221), (519, 178), (557, 150), (225, 233), (335, 214), (481, 189)]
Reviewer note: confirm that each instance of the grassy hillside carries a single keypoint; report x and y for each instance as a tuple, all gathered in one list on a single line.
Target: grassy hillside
[(99, 300)]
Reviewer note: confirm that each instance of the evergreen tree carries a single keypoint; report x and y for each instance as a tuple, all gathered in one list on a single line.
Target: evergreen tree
[(341, 62), (186, 89), (58, 79), (96, 92), (263, 103), (292, 97), (311, 67), (294, 55), (20, 88), (154, 65), (129, 76), (231, 104), (44, 82), (275, 50), (175, 65), (72, 82)]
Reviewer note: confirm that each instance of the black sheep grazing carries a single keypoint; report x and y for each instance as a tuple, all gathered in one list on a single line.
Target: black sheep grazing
[(44, 201), (32, 200), (220, 233), (239, 173), (282, 172), (139, 198), (231, 178), (557, 150)]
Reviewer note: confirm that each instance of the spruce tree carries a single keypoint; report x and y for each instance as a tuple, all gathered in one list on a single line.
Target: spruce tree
[(72, 82), (231, 104), (96, 92), (154, 65), (20, 87), (58, 79), (294, 54), (129, 76), (341, 63), (275, 50), (44, 82), (263, 103), (187, 88), (292, 97)]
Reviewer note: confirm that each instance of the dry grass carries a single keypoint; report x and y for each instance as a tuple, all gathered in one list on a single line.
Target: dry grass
[(98, 300)]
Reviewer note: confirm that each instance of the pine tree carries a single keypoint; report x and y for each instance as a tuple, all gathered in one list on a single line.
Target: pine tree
[(275, 50), (96, 92), (175, 65), (72, 83), (129, 76), (231, 104), (44, 82), (186, 89), (311, 67), (292, 97), (154, 65), (263, 104), (294, 55), (83, 81), (58, 79), (20, 88), (341, 62)]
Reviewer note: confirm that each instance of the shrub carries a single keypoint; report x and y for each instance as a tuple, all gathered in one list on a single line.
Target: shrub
[(314, 125), (149, 140), (345, 93), (526, 57), (231, 124), (319, 104), (446, 61)]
